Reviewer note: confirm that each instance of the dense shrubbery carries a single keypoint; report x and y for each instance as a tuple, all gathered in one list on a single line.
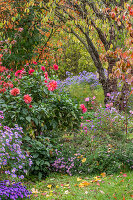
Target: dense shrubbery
[(75, 59), (94, 154), (29, 99), (41, 151)]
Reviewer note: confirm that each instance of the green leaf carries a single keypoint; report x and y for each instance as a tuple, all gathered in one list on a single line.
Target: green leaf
[(35, 155), (47, 163), (28, 119), (36, 121), (38, 162)]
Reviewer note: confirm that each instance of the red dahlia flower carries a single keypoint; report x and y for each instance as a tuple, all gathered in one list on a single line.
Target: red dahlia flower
[(15, 91), (84, 109), (27, 99), (55, 67), (52, 85), (43, 68), (31, 71)]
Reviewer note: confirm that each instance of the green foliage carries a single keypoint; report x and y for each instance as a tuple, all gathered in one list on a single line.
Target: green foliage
[(40, 149), (67, 112), (84, 90), (75, 59), (93, 154), (107, 120), (47, 111), (111, 160)]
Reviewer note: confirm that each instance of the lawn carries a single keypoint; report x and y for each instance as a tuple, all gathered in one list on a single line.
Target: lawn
[(102, 187)]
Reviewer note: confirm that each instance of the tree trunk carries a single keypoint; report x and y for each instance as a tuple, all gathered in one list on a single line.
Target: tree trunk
[(123, 100), (111, 82)]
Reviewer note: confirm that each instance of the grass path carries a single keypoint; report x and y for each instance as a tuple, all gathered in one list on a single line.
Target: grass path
[(64, 187)]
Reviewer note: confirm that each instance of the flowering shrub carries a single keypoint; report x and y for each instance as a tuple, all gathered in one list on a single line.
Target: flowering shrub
[(28, 96), (10, 190), (105, 119), (13, 160)]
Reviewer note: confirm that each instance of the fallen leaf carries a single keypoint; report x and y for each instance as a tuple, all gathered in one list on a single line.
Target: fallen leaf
[(34, 190), (84, 184), (124, 175), (43, 194), (49, 186), (67, 185), (79, 179), (103, 174), (102, 192)]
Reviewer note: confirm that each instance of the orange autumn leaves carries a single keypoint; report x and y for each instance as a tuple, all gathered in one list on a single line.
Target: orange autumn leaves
[(85, 183)]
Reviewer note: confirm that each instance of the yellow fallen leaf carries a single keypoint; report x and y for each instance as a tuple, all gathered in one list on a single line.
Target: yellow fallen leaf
[(49, 186), (35, 191), (67, 185), (79, 179), (84, 184), (103, 174), (83, 160), (97, 179)]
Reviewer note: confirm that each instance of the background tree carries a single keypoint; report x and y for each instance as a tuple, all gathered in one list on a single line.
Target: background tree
[(24, 32), (101, 26)]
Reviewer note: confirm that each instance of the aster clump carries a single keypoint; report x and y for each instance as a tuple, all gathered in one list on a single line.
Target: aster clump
[(10, 190), (83, 77), (13, 160)]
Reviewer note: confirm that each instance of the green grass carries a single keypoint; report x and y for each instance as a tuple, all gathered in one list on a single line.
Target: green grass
[(82, 91), (64, 187)]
